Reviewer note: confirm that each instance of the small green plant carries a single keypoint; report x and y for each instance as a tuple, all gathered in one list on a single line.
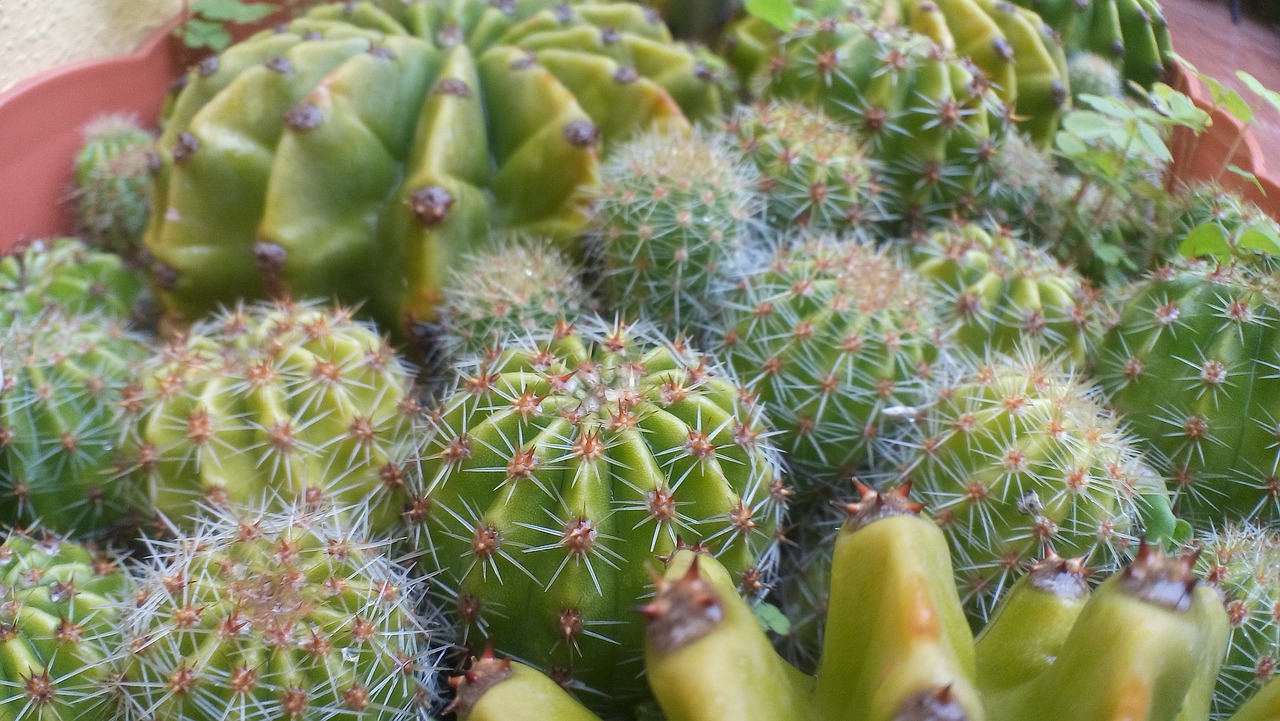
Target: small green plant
[(206, 21)]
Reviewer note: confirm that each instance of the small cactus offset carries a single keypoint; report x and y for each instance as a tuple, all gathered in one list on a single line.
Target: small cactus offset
[(673, 215), (113, 184), (293, 615), (1190, 364), (520, 285), (813, 172), (274, 405), (65, 385), (1015, 457), (1094, 75), (830, 337), (999, 294), (556, 472), (65, 273), (59, 610)]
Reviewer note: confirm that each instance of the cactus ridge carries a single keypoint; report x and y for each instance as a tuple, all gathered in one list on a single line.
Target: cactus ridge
[(65, 273)]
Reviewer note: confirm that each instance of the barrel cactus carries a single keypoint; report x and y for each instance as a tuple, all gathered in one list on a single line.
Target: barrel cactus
[(1132, 34), (386, 137), (291, 615), (113, 183), (558, 472), (274, 405), (65, 385), (66, 273)]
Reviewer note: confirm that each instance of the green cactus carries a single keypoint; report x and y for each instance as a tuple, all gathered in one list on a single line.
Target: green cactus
[(1094, 75), (1000, 294), (357, 151), (1190, 365), (59, 609), (64, 394), (1016, 457), (556, 472), (274, 405), (113, 184), (520, 285), (493, 689), (1132, 34), (673, 216), (291, 615), (65, 273), (813, 172), (829, 337)]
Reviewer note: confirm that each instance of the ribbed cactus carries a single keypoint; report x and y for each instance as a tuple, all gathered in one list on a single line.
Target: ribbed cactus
[(64, 395), (1015, 457), (1094, 75), (1132, 34), (558, 472), (673, 215), (65, 273), (113, 183), (275, 405), (830, 337), (388, 137), (59, 612), (520, 285), (813, 172), (293, 615), (1000, 294), (922, 112), (1190, 365)]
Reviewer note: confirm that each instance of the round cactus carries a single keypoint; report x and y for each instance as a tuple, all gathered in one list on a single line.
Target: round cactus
[(519, 286), (113, 183), (1132, 34), (388, 137), (275, 404), (1094, 75), (673, 215), (1191, 364), (59, 608), (293, 616), (928, 116), (831, 337), (1000, 294), (1243, 563), (1016, 457), (65, 273), (64, 390), (813, 173), (558, 472)]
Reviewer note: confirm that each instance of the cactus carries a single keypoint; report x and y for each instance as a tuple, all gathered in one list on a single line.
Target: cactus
[(388, 137), (556, 471), (1016, 457), (65, 273), (1242, 562), (1189, 364), (113, 183), (59, 606), (813, 173), (923, 113), (493, 689), (829, 338), (1094, 75), (518, 286), (290, 615), (1133, 34), (1001, 294), (673, 215), (274, 405), (64, 391)]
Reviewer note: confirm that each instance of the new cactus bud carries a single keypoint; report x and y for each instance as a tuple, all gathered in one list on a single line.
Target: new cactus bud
[(493, 689), (1094, 75), (555, 472), (113, 183), (65, 273)]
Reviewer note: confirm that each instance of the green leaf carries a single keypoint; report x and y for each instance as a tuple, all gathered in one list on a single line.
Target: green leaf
[(1086, 124), (1262, 238), (1108, 253), (1238, 107), (197, 33), (778, 13), (1247, 176), (1107, 106), (1207, 239), (235, 11), (772, 619), (1155, 143), (1272, 97)]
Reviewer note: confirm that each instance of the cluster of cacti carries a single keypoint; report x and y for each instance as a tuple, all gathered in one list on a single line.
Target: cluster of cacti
[(1132, 34), (1017, 457), (270, 406), (925, 115), (813, 172), (113, 183), (673, 215), (1190, 364), (387, 138), (558, 471), (66, 274)]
